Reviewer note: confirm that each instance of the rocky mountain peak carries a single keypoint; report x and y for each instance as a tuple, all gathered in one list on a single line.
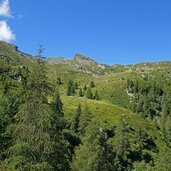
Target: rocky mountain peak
[(83, 59)]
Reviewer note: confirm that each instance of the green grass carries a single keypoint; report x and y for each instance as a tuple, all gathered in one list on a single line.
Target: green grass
[(101, 110)]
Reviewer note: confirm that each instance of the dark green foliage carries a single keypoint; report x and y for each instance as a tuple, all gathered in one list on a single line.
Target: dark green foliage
[(75, 125), (85, 88), (32, 143), (70, 88), (57, 105), (81, 121), (91, 155), (81, 94), (60, 154), (38, 141), (58, 81), (132, 146), (89, 93), (96, 96), (92, 85), (122, 146), (76, 86)]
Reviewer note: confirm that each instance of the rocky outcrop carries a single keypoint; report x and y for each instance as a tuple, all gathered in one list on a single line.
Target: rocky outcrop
[(84, 60), (59, 60)]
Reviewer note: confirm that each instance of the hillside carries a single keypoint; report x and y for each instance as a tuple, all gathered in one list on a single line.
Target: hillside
[(122, 110)]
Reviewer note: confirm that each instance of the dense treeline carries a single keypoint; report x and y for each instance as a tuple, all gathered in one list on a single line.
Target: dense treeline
[(35, 136), (152, 100)]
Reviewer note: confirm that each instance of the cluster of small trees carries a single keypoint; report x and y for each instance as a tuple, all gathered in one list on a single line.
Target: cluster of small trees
[(86, 91)]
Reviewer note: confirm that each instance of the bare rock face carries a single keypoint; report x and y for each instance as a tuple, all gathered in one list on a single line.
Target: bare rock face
[(59, 60), (84, 60)]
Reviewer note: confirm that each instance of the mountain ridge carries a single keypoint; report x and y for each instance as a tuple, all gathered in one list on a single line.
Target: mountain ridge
[(80, 58)]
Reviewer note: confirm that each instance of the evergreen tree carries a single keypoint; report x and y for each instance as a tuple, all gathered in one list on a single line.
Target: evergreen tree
[(76, 122), (32, 145), (85, 87), (89, 94), (81, 92), (60, 155), (96, 95), (122, 146), (72, 91), (76, 86), (92, 85), (58, 81), (58, 113), (84, 120), (70, 88)]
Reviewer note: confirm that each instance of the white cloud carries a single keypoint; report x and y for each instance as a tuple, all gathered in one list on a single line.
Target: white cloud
[(6, 34), (5, 9)]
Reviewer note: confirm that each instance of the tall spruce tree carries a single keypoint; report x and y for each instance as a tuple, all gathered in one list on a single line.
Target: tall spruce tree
[(32, 145), (89, 93), (81, 94), (60, 154), (92, 85), (96, 95), (122, 146), (70, 88), (76, 122)]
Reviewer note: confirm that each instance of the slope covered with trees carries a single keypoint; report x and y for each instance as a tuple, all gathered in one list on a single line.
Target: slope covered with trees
[(79, 115)]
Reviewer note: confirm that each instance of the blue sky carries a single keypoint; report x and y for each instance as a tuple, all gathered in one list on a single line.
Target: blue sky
[(109, 31)]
